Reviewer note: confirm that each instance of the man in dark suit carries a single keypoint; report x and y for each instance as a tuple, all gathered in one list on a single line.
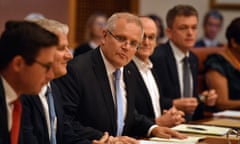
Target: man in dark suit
[(180, 89), (36, 119), (212, 24), (26, 50), (148, 86), (88, 88)]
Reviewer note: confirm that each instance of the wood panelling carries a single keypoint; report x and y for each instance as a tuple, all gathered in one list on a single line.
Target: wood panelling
[(84, 8)]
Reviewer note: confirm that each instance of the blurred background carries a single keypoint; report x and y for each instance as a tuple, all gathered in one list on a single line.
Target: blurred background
[(76, 12)]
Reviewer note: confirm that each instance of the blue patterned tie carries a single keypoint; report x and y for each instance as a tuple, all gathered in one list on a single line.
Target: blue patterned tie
[(119, 102), (52, 115)]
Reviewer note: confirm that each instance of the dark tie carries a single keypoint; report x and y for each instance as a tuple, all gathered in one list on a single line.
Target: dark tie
[(186, 78), (16, 120), (187, 83), (52, 115), (119, 102)]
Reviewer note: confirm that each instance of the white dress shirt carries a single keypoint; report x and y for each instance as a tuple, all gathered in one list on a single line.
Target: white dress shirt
[(179, 55), (43, 98), (150, 82), (110, 70), (210, 43), (10, 97)]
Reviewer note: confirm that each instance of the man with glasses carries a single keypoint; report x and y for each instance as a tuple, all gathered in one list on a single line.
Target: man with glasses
[(149, 90), (99, 80), (37, 124), (26, 56)]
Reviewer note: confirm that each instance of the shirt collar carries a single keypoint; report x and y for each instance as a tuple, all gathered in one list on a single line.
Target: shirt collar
[(109, 67), (93, 45), (141, 64), (209, 42), (11, 95), (178, 54)]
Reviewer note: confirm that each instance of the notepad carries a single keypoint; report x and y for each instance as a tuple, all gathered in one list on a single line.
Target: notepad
[(189, 139), (201, 129), (228, 113)]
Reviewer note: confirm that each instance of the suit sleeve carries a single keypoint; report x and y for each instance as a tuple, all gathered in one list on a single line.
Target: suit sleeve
[(27, 134), (71, 96)]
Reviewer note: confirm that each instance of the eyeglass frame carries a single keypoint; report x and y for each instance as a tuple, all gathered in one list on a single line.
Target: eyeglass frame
[(46, 66), (123, 40)]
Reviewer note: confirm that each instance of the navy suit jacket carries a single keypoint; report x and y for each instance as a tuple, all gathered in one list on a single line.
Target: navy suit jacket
[(88, 99), (200, 43), (4, 133), (34, 128), (166, 67), (143, 100)]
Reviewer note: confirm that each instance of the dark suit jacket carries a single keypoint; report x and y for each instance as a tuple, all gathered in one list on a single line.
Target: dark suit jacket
[(4, 133), (85, 47), (143, 100), (200, 43), (88, 98), (166, 67), (34, 128)]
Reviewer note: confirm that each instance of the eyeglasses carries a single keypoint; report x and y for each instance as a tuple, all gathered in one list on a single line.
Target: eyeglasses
[(46, 66), (149, 37), (124, 40)]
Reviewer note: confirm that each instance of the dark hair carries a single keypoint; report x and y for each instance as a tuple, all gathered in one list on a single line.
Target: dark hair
[(159, 24), (213, 13), (180, 10), (25, 39), (233, 31)]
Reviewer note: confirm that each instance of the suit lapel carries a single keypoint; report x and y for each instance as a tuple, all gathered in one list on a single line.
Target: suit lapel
[(4, 134), (101, 74), (171, 63), (143, 88)]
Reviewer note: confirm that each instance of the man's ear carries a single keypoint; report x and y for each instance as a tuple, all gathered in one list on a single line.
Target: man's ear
[(104, 32), (18, 63), (169, 33)]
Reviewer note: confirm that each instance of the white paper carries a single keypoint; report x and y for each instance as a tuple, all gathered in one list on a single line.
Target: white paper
[(228, 113), (201, 129), (158, 142)]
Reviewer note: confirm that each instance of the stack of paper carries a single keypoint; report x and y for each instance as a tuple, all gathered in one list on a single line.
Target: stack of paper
[(201, 129), (189, 139), (228, 113)]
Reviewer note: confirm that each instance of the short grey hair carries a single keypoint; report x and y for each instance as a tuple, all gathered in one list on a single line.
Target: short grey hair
[(131, 18), (52, 25)]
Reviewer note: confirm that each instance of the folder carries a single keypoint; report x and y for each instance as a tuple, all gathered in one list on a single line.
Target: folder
[(202, 129)]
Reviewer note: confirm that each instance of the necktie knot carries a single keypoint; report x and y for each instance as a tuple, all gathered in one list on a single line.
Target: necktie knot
[(185, 60), (117, 74)]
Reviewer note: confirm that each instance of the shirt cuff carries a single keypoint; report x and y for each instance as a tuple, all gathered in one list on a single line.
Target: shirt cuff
[(150, 130)]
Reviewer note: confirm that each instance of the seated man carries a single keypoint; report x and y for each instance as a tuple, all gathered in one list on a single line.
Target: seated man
[(26, 55), (177, 66), (212, 24), (38, 120), (98, 90), (149, 90)]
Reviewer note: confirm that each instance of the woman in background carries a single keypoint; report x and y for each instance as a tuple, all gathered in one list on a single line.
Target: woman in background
[(93, 33), (223, 70)]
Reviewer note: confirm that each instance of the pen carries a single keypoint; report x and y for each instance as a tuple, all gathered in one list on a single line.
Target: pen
[(196, 128)]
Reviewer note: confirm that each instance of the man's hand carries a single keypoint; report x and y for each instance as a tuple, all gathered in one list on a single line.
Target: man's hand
[(165, 132), (188, 105), (210, 97), (170, 118), (104, 139), (122, 140)]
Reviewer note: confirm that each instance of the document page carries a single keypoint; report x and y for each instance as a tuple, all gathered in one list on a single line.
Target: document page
[(201, 129)]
